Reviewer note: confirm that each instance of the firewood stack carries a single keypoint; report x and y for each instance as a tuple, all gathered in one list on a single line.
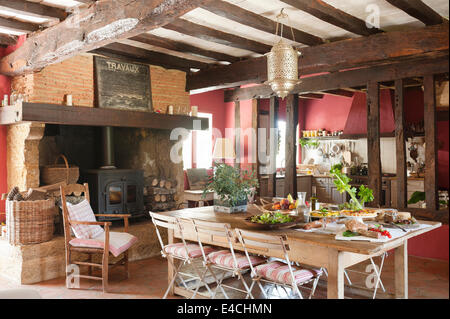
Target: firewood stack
[(160, 194)]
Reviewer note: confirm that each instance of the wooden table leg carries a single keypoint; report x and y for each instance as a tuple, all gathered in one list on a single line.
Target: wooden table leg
[(401, 271), (335, 289)]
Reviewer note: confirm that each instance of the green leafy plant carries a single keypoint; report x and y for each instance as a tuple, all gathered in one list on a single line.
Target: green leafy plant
[(231, 184), (308, 143), (342, 181), (420, 197), (272, 218)]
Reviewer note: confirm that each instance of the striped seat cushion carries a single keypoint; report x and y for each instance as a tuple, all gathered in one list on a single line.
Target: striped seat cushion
[(83, 212), (118, 242), (279, 272), (194, 250), (225, 258)]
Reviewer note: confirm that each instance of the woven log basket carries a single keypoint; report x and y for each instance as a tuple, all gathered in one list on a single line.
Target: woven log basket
[(29, 222), (56, 173)]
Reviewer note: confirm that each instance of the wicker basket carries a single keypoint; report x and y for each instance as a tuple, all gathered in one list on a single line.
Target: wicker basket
[(52, 174), (29, 222)]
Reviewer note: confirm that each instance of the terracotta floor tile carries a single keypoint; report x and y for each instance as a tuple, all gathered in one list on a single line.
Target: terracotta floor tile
[(148, 279)]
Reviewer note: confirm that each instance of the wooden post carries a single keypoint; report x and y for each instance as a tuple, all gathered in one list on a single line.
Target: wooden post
[(273, 119), (237, 136), (290, 179), (335, 289), (255, 126), (373, 141), (400, 144), (431, 170)]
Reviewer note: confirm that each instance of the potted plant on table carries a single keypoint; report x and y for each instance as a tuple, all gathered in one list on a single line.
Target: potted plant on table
[(232, 188)]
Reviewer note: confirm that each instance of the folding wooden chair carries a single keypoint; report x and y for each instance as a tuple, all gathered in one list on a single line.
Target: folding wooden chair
[(278, 273), (186, 253), (225, 260)]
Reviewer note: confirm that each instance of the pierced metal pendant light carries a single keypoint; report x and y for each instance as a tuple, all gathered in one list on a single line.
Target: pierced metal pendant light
[(282, 64)]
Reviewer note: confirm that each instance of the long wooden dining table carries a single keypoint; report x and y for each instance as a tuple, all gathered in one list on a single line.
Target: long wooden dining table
[(309, 248)]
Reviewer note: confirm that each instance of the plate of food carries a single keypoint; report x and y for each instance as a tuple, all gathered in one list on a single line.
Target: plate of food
[(397, 219), (284, 205), (362, 213), (357, 230), (272, 220), (324, 213)]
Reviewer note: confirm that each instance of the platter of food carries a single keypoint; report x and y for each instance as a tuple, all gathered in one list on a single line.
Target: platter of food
[(363, 213), (357, 230), (393, 218), (324, 213), (272, 220), (285, 205)]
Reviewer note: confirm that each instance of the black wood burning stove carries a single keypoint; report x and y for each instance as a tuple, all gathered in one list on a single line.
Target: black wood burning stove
[(113, 190)]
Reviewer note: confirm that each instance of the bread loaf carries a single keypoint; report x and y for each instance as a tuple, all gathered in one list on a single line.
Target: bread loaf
[(403, 215)]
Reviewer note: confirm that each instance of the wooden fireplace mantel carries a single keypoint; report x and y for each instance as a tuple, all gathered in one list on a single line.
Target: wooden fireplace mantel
[(92, 116)]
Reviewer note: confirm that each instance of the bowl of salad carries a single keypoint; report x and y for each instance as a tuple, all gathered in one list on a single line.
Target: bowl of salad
[(272, 220)]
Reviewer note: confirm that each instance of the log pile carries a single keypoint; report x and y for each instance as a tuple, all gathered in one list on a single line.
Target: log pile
[(160, 194)]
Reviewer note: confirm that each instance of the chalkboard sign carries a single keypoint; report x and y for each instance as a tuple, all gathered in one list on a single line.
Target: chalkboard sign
[(122, 85)]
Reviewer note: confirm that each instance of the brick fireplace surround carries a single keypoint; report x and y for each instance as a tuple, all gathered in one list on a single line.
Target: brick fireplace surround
[(28, 148)]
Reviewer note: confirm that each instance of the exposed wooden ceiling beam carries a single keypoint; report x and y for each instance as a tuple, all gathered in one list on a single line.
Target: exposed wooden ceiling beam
[(7, 39), (149, 57), (351, 78), (330, 57), (418, 10), (311, 96), (93, 27), (339, 92), (34, 8), (165, 43), (213, 35), (259, 22), (332, 15), (18, 25)]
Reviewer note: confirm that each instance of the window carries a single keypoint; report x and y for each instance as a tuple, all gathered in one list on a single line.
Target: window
[(198, 148), (281, 160)]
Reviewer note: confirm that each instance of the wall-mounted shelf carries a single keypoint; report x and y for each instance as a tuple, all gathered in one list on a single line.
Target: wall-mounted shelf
[(348, 136), (93, 116)]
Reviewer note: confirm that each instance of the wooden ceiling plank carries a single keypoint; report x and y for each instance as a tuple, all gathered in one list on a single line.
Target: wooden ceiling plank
[(102, 23), (34, 9), (7, 39), (329, 57), (323, 11), (18, 25), (259, 22), (165, 43), (418, 10), (150, 57), (213, 35)]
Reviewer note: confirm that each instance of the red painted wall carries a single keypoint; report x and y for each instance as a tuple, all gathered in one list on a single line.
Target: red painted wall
[(5, 88)]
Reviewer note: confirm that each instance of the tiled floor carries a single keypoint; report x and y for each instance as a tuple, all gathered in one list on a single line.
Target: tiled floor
[(148, 279)]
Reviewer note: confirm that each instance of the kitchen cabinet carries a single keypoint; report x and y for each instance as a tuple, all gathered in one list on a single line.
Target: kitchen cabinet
[(304, 184), (327, 192)]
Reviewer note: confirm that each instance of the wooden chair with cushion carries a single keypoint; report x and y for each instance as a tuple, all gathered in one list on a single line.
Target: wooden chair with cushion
[(90, 238)]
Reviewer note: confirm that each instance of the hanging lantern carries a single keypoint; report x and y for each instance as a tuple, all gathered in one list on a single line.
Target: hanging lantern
[(282, 65)]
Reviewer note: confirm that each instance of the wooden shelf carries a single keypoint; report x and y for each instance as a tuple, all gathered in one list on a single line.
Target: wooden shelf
[(93, 116), (348, 136)]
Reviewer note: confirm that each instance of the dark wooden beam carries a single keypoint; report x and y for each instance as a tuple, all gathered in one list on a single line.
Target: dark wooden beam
[(150, 57), (399, 115), (339, 55), (213, 35), (259, 22), (418, 10), (339, 92), (323, 11), (431, 144), (18, 25), (273, 123), (237, 133), (256, 106), (311, 96), (182, 47), (7, 39), (373, 141), (102, 23), (435, 64), (94, 116), (290, 179), (35, 9)]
